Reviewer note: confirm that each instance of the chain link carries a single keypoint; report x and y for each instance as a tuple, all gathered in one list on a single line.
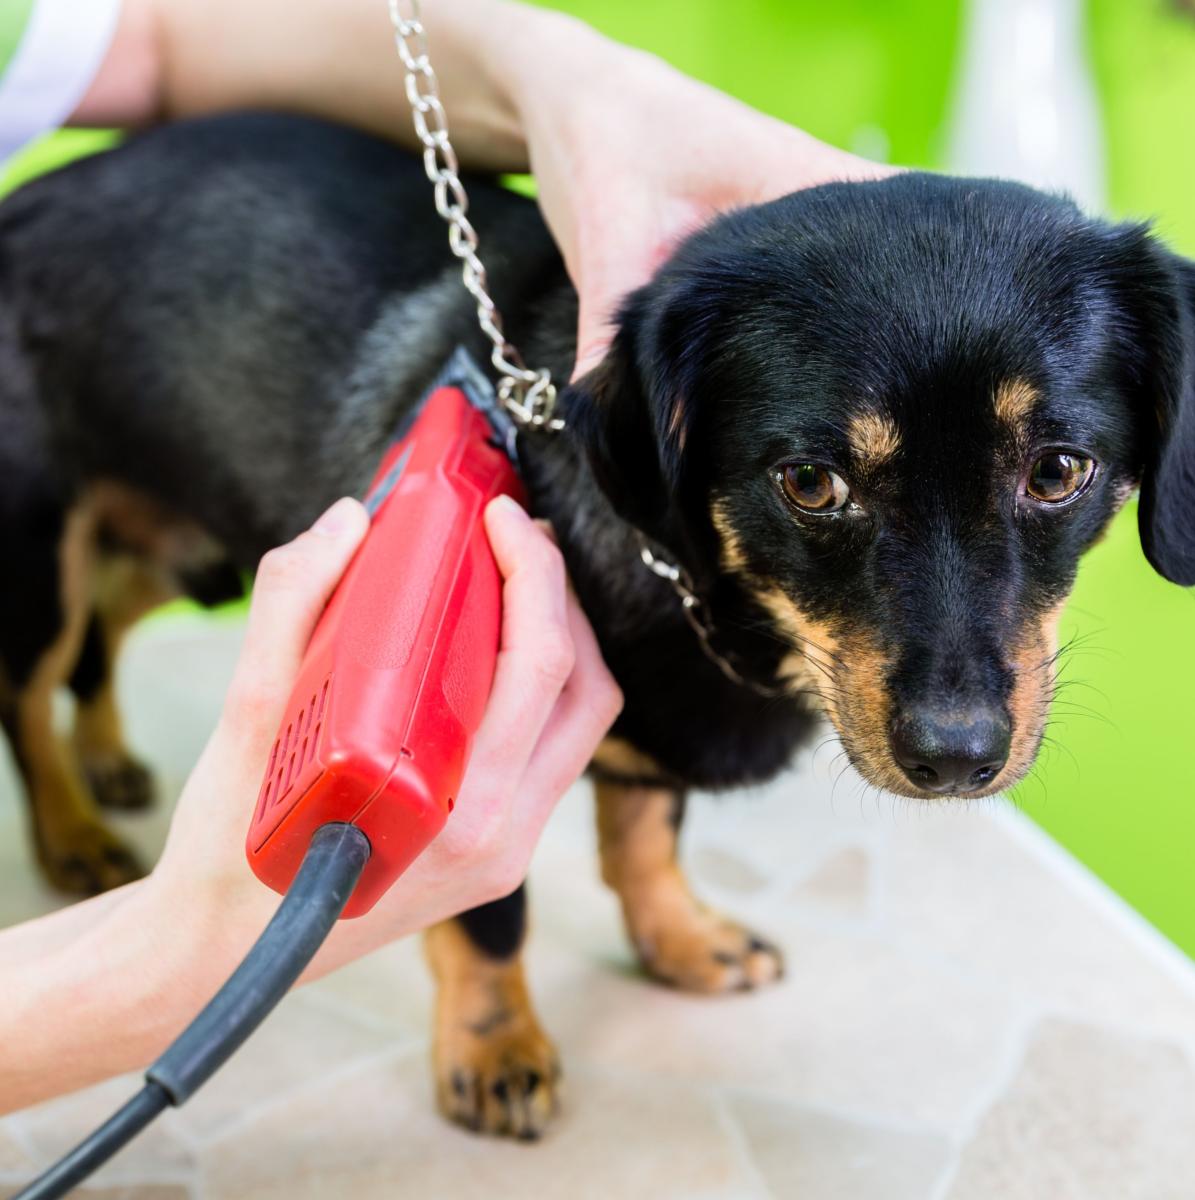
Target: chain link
[(529, 396), (695, 612)]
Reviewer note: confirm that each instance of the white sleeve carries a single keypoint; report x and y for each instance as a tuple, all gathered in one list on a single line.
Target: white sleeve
[(59, 54)]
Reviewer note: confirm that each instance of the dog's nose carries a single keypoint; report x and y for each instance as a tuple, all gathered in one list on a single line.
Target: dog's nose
[(952, 752)]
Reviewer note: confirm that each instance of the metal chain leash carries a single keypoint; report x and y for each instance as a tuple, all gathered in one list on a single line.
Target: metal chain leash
[(698, 617), (529, 396)]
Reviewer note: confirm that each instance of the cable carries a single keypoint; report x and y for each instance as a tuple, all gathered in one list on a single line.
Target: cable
[(121, 1127), (325, 881)]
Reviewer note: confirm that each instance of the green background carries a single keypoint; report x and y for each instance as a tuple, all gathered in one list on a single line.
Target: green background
[(878, 76)]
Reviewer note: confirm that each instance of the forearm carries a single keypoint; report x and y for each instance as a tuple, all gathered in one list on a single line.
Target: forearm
[(335, 59), (113, 985), (43, 936)]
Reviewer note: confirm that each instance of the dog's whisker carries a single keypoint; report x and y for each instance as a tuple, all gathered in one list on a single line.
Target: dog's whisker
[(1053, 743)]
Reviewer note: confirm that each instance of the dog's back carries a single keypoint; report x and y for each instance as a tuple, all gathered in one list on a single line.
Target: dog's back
[(158, 287)]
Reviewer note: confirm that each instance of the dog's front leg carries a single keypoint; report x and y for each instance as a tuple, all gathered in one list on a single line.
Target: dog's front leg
[(679, 940), (496, 1070)]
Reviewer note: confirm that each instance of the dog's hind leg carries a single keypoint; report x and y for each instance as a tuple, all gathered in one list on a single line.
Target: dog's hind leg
[(125, 590), (47, 601), (678, 939), (496, 1070)]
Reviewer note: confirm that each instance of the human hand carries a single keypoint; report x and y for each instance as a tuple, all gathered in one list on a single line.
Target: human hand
[(630, 156), (551, 703)]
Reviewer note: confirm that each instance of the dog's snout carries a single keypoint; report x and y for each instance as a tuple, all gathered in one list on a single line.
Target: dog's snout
[(952, 753)]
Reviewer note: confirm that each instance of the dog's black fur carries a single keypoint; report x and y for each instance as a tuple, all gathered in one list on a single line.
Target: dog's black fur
[(231, 316), (226, 316)]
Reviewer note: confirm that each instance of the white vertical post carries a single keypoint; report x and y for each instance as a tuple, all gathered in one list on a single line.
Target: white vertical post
[(1025, 104)]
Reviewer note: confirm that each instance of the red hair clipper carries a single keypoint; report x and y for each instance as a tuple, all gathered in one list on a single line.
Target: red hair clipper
[(381, 720)]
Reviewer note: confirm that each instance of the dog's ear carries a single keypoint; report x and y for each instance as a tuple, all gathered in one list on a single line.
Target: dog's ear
[(1166, 513), (633, 418)]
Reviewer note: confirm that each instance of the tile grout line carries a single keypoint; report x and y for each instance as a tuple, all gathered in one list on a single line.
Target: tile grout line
[(738, 1139), (337, 1007), (878, 1121), (200, 1143), (1001, 1082)]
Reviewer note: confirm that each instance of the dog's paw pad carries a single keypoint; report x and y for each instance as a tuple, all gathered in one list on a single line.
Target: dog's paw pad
[(505, 1083), (86, 859), (120, 782), (703, 952)]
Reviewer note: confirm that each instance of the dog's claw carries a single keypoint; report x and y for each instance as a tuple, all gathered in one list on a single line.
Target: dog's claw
[(708, 953), (509, 1087)]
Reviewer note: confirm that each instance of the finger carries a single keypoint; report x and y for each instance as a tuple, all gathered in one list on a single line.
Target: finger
[(537, 653), (588, 706), (292, 587)]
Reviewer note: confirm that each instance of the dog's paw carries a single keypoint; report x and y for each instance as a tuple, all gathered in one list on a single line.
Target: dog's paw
[(700, 951), (118, 781), (84, 858), (503, 1080)]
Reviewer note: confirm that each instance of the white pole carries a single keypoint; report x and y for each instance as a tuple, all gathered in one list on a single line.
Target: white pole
[(1026, 106)]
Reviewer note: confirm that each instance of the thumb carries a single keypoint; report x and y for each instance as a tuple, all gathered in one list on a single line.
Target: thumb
[(292, 587)]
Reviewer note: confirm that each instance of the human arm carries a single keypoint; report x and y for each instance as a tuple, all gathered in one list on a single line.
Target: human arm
[(102, 987), (629, 154)]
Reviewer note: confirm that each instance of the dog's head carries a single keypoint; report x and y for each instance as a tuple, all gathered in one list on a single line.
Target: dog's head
[(898, 413)]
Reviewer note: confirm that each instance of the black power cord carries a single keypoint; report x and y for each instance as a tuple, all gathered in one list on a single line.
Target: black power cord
[(333, 864)]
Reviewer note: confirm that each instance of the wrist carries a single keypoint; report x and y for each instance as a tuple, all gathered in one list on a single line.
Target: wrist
[(545, 60)]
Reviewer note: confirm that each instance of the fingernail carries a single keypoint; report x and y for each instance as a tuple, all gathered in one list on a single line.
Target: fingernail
[(508, 508), (335, 519)]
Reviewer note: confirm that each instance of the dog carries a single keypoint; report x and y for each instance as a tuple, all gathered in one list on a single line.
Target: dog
[(876, 424)]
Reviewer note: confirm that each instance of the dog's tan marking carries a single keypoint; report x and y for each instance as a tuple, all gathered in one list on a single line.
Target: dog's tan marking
[(1028, 706), (677, 429), (814, 660), (679, 940), (158, 536), (864, 714), (618, 757), (874, 439), (1014, 402), (848, 670), (797, 667), (76, 851), (495, 1069), (734, 560)]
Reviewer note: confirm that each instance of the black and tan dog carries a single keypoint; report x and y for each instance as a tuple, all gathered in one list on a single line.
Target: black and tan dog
[(877, 423)]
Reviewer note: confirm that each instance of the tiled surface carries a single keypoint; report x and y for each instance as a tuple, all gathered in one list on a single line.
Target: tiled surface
[(965, 1017)]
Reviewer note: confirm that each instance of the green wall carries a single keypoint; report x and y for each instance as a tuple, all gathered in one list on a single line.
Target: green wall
[(1122, 795), (1119, 791)]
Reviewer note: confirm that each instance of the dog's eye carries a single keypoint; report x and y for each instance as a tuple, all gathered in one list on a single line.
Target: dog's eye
[(1059, 476), (812, 488)]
